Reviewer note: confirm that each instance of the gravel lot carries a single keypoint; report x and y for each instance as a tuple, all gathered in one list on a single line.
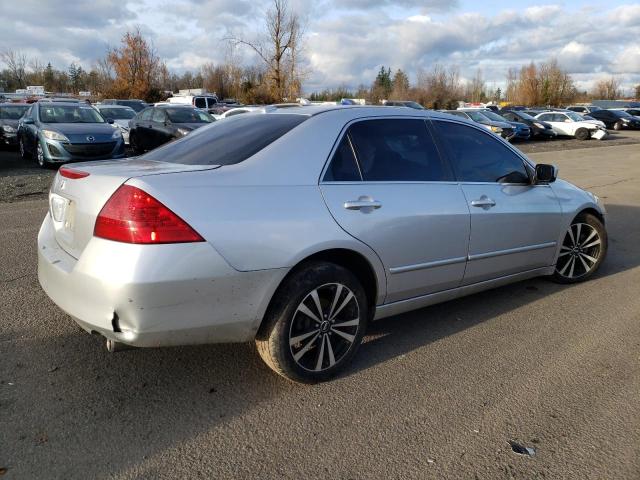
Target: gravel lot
[(436, 393)]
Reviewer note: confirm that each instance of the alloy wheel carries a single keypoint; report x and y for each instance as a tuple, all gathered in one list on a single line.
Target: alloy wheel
[(324, 327), (580, 251), (40, 155)]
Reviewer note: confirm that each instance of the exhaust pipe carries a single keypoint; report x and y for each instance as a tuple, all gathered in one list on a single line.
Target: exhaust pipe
[(113, 346)]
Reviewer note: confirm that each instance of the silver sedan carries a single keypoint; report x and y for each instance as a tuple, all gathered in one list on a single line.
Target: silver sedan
[(297, 227)]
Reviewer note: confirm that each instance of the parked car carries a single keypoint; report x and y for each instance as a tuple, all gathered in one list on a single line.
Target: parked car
[(631, 111), (205, 102), (539, 129), (583, 108), (56, 132), (232, 235), (521, 130), (137, 105), (403, 103), (157, 125), (120, 115), (240, 110), (616, 119), (10, 114), (572, 124), (504, 129)]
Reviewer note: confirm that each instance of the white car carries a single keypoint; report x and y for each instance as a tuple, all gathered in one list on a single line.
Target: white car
[(572, 124), (120, 115), (239, 110)]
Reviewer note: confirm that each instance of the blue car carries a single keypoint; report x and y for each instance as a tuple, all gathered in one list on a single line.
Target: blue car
[(59, 132)]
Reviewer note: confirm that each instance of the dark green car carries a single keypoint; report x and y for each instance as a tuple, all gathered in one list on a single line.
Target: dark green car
[(56, 132)]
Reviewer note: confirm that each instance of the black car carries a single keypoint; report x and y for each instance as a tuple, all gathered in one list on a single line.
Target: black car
[(538, 128), (160, 124), (616, 119), (10, 114), (137, 105)]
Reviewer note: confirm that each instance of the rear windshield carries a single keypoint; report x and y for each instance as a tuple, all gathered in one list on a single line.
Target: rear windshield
[(187, 115), (117, 113), (227, 142)]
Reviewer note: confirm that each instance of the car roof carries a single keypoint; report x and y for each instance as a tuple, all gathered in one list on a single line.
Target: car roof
[(107, 105), (13, 104), (64, 104)]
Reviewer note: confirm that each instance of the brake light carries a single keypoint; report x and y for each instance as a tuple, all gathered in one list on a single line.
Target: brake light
[(67, 172), (131, 215)]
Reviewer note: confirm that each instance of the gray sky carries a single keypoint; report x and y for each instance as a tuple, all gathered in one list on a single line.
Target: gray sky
[(347, 40)]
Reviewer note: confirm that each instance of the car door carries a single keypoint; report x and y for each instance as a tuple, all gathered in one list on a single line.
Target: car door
[(143, 129), (557, 122), (387, 186), (162, 130), (514, 223)]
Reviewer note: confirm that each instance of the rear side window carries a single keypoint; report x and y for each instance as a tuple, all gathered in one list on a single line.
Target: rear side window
[(200, 102), (397, 150), (158, 116), (211, 102), (145, 114), (229, 142), (480, 157), (343, 166)]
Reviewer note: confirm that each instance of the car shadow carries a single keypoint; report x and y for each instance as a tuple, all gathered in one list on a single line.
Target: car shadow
[(395, 336)]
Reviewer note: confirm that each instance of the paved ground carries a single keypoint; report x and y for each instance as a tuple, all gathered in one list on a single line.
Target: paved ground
[(436, 393)]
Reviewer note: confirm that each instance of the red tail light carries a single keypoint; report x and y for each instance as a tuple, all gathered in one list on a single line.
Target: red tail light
[(132, 215), (71, 173)]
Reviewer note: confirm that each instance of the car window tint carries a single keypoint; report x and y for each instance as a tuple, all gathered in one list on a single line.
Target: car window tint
[(480, 157), (200, 102), (343, 167), (145, 114), (228, 142), (211, 102), (397, 150)]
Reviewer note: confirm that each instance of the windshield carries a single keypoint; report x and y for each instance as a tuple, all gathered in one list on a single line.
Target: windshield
[(13, 112), (187, 115), (524, 116), (137, 105), (117, 113), (477, 116), (228, 142), (493, 116), (69, 114), (574, 116)]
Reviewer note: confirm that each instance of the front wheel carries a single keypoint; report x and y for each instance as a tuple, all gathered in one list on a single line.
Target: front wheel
[(583, 134), (583, 250), (315, 324), (42, 161)]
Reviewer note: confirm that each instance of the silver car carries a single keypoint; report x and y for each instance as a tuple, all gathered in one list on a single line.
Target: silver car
[(296, 228)]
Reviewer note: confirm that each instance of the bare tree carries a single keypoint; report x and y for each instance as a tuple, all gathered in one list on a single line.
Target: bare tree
[(608, 89), (16, 62), (279, 47)]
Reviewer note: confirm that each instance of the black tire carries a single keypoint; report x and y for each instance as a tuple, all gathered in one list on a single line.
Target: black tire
[(581, 246), (583, 134), (285, 322), (617, 126), (39, 156), (133, 143), (24, 154)]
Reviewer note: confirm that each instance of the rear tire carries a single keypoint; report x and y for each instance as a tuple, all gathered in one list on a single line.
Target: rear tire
[(583, 250), (133, 143), (583, 134), (315, 323), (617, 126)]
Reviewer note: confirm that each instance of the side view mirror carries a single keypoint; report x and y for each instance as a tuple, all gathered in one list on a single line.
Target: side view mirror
[(28, 121), (545, 173), (110, 120)]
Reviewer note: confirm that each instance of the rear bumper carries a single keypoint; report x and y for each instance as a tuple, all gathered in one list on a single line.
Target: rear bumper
[(154, 295)]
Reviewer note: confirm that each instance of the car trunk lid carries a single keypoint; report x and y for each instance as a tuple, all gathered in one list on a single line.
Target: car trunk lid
[(74, 203)]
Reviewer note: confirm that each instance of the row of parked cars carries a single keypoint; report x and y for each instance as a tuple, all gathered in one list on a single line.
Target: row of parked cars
[(64, 130)]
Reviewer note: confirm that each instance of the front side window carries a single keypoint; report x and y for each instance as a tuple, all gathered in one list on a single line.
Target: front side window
[(158, 116), (397, 150), (145, 114), (211, 102), (187, 115), (200, 102), (546, 117), (480, 157)]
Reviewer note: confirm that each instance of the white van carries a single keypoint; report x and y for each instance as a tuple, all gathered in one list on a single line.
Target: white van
[(198, 101)]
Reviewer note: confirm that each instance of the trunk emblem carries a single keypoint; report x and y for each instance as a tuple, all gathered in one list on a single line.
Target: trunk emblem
[(90, 138)]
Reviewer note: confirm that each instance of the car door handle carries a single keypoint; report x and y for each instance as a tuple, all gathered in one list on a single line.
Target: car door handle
[(363, 203), (483, 202)]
